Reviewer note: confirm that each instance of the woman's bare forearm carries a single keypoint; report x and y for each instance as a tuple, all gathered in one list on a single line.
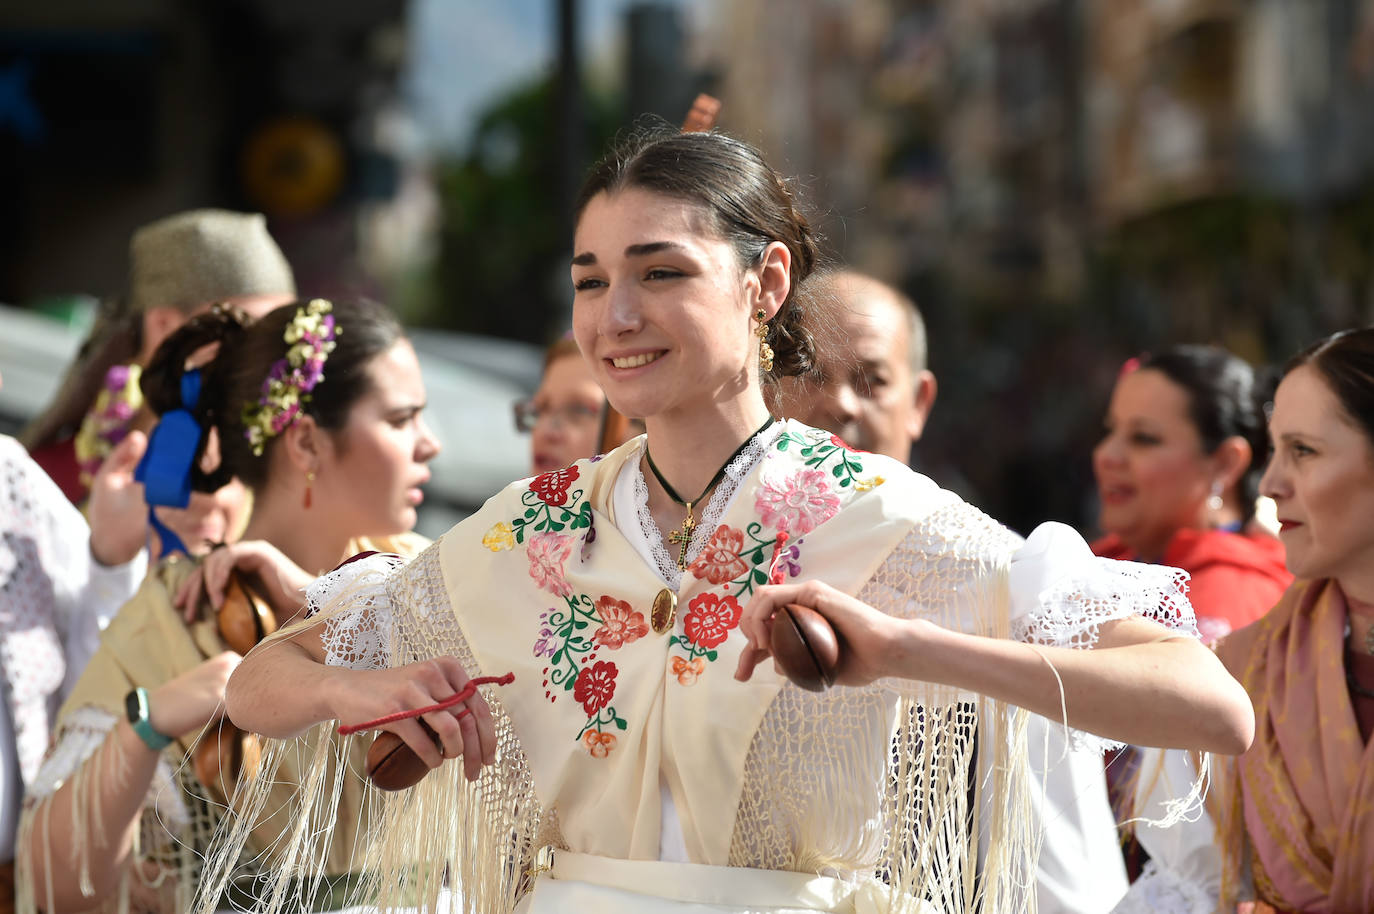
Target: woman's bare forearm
[(1133, 687), (124, 772), (280, 690)]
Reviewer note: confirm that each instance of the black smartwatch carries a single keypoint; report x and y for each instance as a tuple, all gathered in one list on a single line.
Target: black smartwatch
[(136, 709)]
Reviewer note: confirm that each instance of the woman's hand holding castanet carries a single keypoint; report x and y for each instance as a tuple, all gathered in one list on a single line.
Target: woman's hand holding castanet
[(283, 582), (466, 729), (871, 642)]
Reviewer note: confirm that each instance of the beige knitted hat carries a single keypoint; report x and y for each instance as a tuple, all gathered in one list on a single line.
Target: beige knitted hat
[(203, 256)]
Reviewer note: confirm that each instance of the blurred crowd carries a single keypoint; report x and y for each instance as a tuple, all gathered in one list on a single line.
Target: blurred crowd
[(220, 442)]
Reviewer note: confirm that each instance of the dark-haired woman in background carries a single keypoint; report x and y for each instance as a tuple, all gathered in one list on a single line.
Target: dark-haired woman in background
[(1291, 821), (316, 408), (1177, 473)]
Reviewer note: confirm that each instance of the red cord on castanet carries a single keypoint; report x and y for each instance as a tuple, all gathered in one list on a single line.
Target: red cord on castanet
[(462, 694)]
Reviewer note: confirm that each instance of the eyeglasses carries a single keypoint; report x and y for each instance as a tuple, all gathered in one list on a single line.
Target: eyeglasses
[(573, 415)]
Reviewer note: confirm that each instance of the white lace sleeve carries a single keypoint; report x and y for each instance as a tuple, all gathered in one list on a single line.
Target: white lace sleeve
[(1061, 593), (358, 618)]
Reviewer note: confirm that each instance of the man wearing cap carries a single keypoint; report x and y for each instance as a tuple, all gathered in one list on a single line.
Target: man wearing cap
[(871, 387), (178, 267)]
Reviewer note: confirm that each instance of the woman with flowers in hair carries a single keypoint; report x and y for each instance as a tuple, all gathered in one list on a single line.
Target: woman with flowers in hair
[(316, 408), (642, 758)]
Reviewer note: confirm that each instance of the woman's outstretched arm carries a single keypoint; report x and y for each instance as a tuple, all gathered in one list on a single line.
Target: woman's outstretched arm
[(283, 687), (1140, 684)]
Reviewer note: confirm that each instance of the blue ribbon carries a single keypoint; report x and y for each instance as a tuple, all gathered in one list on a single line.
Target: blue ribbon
[(165, 469)]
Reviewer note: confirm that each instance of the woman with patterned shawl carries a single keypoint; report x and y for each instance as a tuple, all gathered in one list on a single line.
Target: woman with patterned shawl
[(642, 759), (316, 409), (1291, 821)]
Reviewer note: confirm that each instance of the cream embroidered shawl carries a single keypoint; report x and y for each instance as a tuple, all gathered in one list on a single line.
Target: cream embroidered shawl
[(853, 783)]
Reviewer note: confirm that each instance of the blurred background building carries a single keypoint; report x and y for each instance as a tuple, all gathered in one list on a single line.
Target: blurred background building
[(1059, 183)]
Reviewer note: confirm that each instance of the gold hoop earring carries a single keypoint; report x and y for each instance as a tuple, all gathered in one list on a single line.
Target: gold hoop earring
[(761, 331)]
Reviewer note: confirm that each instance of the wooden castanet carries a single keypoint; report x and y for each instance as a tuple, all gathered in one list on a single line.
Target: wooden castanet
[(392, 765), (226, 752), (805, 646)]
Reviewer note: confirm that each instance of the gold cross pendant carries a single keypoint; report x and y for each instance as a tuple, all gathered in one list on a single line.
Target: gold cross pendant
[(683, 538)]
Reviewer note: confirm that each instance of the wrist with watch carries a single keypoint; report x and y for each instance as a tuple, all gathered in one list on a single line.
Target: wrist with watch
[(137, 711)]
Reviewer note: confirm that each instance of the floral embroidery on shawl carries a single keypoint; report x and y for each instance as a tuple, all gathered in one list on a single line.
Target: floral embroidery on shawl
[(799, 503), (570, 637), (548, 555), (709, 621), (818, 449)]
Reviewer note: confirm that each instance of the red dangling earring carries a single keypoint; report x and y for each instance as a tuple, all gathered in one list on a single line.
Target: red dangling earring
[(309, 478)]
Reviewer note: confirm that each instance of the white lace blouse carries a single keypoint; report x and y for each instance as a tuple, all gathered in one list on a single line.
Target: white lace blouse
[(54, 600)]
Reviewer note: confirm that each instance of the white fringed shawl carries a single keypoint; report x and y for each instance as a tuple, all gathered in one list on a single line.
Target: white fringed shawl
[(851, 783)]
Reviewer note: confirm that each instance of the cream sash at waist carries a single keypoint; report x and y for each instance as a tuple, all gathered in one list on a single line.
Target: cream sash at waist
[(574, 883)]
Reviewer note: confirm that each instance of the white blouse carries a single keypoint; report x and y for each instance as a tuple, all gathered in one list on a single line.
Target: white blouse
[(54, 600)]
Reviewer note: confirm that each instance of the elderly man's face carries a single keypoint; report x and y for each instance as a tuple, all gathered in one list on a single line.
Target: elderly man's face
[(866, 393)]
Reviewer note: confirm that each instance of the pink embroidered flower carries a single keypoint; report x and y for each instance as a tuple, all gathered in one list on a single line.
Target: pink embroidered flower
[(800, 504), (599, 744), (719, 561), (548, 554), (552, 488), (710, 619), (688, 671), (620, 624), (595, 686)]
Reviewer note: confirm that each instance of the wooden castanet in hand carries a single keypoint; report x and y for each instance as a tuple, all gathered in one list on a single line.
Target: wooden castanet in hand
[(226, 752), (392, 765), (805, 646)]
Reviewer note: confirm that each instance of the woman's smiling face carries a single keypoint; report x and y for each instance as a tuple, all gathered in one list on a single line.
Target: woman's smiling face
[(661, 307)]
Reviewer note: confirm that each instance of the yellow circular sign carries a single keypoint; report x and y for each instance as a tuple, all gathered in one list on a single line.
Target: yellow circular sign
[(293, 166)]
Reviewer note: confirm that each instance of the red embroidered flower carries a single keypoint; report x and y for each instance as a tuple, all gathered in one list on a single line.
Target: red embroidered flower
[(688, 671), (800, 504), (710, 619), (599, 744), (595, 685), (840, 442), (719, 561), (552, 488), (620, 624)]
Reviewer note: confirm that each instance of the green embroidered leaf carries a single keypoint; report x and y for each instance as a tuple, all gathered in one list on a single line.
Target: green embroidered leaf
[(711, 655), (620, 723), (530, 513), (760, 577), (554, 525)]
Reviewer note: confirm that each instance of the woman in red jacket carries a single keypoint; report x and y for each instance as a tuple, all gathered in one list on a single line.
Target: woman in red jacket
[(1177, 473)]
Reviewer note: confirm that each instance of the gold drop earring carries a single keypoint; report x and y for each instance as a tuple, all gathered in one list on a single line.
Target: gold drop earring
[(761, 331)]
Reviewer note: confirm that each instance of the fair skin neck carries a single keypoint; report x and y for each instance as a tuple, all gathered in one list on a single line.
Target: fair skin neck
[(317, 546)]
